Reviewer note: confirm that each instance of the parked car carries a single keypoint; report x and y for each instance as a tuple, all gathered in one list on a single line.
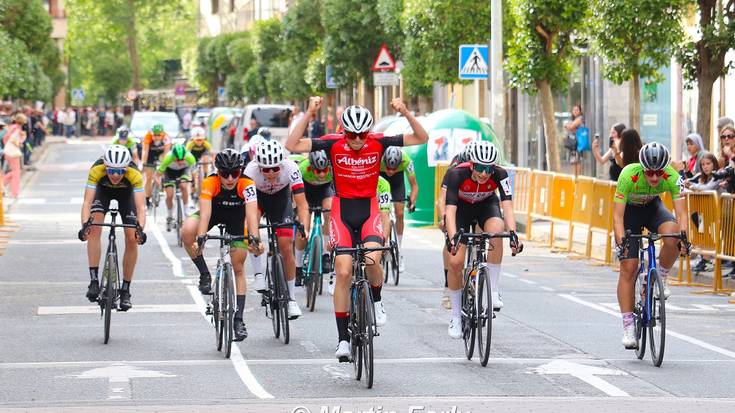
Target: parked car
[(142, 122), (275, 117)]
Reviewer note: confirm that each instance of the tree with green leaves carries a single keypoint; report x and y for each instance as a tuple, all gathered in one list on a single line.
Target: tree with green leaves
[(636, 38), (539, 55), (302, 35), (703, 57)]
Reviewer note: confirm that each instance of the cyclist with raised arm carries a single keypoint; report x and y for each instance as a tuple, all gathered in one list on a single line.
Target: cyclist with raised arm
[(279, 184), (124, 138), (175, 165), (230, 199), (470, 199), (355, 155), (317, 174), (114, 176), (395, 165), (155, 144), (638, 205)]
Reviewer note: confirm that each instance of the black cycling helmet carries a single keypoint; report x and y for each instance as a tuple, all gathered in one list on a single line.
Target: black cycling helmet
[(319, 160), (228, 160), (654, 156)]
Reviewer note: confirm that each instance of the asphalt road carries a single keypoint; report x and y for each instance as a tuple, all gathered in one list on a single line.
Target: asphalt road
[(556, 344)]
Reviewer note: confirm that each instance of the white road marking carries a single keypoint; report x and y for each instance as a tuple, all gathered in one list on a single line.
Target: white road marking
[(337, 372), (587, 374), (139, 308), (669, 332), (545, 288), (529, 282), (119, 375), (509, 275), (241, 367), (44, 241), (31, 201)]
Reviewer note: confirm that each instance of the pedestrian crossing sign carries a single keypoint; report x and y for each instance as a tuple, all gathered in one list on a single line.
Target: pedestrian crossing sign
[(473, 61)]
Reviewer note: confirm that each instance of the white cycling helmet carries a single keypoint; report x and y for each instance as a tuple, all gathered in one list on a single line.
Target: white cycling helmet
[(484, 153), (465, 155), (117, 156), (393, 157), (253, 143), (269, 154), (198, 133), (357, 119), (654, 156)]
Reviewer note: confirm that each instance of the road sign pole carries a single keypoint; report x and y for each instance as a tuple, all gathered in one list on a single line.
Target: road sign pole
[(495, 74)]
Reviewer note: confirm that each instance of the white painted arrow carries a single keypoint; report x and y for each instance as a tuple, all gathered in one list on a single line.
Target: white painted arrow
[(119, 376), (587, 374)]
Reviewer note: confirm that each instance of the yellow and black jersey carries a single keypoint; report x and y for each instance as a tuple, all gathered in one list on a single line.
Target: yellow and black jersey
[(133, 179)]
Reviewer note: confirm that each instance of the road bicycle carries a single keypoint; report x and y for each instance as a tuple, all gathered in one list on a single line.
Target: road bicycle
[(155, 193), (313, 265), (177, 222), (391, 259), (223, 305)]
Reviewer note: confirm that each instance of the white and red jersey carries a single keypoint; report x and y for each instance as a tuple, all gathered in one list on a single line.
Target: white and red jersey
[(288, 176), (355, 172), (461, 188)]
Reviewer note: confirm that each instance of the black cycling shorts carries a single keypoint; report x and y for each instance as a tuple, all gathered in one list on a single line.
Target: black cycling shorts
[(355, 221), (125, 203), (233, 220), (470, 214), (650, 216), (315, 194), (153, 156), (171, 175), (397, 186), (278, 209)]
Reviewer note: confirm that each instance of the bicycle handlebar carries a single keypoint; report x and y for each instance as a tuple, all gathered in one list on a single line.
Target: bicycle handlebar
[(318, 209), (360, 249), (652, 236)]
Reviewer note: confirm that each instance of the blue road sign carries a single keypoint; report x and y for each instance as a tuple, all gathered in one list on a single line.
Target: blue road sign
[(331, 84), (473, 61), (77, 94)]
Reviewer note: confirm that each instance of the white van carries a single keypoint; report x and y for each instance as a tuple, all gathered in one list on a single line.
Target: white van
[(275, 117)]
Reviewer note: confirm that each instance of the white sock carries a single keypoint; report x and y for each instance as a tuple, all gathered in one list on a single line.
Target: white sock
[(292, 289), (400, 240), (299, 257), (170, 212), (493, 271), (455, 297), (664, 272), (259, 264), (324, 245)]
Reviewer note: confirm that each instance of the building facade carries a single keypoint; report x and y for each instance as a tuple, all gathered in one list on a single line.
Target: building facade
[(57, 11), (215, 17)]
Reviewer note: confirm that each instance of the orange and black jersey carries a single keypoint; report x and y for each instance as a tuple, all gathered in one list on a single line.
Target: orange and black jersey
[(243, 193)]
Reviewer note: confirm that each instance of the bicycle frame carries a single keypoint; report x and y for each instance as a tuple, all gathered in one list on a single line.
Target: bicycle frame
[(650, 251), (314, 236)]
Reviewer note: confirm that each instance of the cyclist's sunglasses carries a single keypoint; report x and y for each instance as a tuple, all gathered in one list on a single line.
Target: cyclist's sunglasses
[(116, 171), (651, 174), (232, 173), (727, 136), (270, 169), (321, 171), (488, 169), (352, 136)]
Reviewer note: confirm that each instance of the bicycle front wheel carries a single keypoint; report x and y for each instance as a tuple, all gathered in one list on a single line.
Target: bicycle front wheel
[(228, 304), (639, 314), (179, 221), (394, 262), (469, 316), (109, 290), (657, 325), (484, 308), (356, 322), (273, 300), (367, 311), (313, 273), (281, 293)]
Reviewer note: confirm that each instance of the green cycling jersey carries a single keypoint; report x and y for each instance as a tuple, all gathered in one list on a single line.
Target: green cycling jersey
[(384, 197), (406, 165), (170, 162), (307, 172), (129, 143), (633, 188)]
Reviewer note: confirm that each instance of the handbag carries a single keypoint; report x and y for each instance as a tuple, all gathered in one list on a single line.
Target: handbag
[(11, 148), (583, 139), (570, 143)]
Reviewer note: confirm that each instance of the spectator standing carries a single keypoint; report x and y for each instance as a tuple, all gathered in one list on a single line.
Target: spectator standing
[(12, 143), (186, 121), (575, 158), (253, 127), (60, 121), (101, 122), (613, 154), (119, 117), (109, 120), (40, 130), (316, 127), (84, 122), (727, 138), (70, 119), (296, 115), (703, 181), (630, 145), (695, 149)]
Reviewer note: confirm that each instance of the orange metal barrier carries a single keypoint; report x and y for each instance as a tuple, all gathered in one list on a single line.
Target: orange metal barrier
[(439, 171), (704, 230), (522, 184), (726, 245), (562, 202), (541, 189)]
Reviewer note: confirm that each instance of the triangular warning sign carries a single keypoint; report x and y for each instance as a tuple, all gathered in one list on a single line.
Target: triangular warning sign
[(475, 64), (384, 61)]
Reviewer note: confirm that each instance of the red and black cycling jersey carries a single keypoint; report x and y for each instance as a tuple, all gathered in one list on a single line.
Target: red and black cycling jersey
[(355, 172), (461, 187)]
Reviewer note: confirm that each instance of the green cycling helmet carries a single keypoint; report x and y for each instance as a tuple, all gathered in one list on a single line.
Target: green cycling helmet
[(157, 129), (179, 151)]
